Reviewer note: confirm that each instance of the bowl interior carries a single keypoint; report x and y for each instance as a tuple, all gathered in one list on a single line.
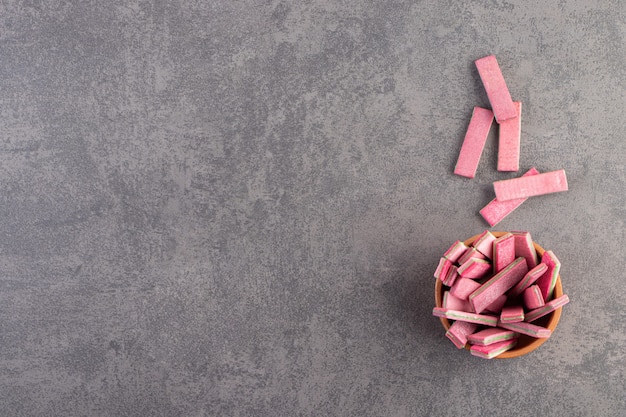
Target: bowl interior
[(525, 344)]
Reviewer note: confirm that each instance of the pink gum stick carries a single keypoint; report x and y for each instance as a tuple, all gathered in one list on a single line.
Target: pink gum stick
[(492, 350), (498, 285), (512, 314), (533, 298), (495, 86), (451, 276), (463, 287), (532, 185), (496, 210), (465, 316), (455, 251), (459, 331), (547, 281), (474, 142), (524, 247), (484, 244), (453, 303), (548, 308), (474, 268), (470, 254), (503, 252), (509, 141), (527, 329), (491, 335)]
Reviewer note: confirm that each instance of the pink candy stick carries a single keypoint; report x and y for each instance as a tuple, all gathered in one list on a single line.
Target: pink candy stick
[(469, 254), (491, 335), (474, 142), (509, 141), (451, 276), (532, 185), (503, 252), (495, 86), (512, 314), (453, 303), (533, 298), (465, 316), (524, 247), (492, 350), (463, 287), (442, 268), (529, 279), (496, 210), (474, 268), (527, 329), (547, 281), (484, 243), (457, 249), (498, 285), (548, 308), (497, 304), (459, 331)]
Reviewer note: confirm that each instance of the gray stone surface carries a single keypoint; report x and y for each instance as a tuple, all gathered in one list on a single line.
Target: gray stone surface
[(234, 208)]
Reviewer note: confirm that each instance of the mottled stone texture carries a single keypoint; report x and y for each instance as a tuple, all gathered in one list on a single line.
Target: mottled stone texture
[(234, 208)]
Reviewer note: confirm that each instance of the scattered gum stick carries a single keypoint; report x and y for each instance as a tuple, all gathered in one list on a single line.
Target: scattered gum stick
[(451, 276), (484, 244), (509, 141), (532, 297), (495, 86), (527, 329), (497, 304), (547, 281), (498, 285), (442, 268), (469, 254), (531, 185), (503, 252), (512, 314), (459, 331), (457, 249), (524, 247), (453, 303), (547, 309), (491, 335), (495, 211), (474, 268), (474, 142), (528, 280), (465, 316), (463, 287), (492, 350)]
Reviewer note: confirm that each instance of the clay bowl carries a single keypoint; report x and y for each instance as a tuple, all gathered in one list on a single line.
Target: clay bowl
[(525, 344)]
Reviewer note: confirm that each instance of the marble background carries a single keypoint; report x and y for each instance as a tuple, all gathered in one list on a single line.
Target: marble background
[(234, 208)]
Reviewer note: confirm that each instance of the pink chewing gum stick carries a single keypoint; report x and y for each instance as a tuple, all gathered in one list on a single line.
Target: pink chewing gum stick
[(465, 316), (512, 314), (532, 185), (497, 304), (498, 285), (495, 211), (455, 251), (491, 335), (503, 252), (475, 268), (509, 141), (495, 86), (524, 247), (532, 297), (548, 308), (484, 244), (474, 142), (528, 280), (463, 287), (453, 303), (442, 268), (547, 281), (469, 254), (451, 276), (459, 331), (492, 350), (527, 329)]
